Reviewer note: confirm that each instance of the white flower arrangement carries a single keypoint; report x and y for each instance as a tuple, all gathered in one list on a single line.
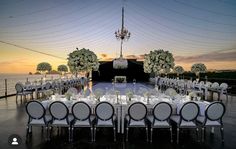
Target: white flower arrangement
[(192, 95), (198, 68), (158, 61), (179, 70), (82, 60), (129, 94), (68, 95), (48, 93), (171, 92), (98, 93), (120, 63)]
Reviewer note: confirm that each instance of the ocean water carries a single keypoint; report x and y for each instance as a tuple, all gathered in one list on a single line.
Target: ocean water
[(12, 79)]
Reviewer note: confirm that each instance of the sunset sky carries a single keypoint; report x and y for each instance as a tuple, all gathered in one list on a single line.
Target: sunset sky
[(194, 31)]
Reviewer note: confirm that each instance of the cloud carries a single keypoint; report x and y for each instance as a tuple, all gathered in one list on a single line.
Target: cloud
[(222, 55), (104, 55), (13, 62), (134, 57)]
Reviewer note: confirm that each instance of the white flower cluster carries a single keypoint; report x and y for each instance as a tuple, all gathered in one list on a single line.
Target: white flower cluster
[(82, 60), (158, 61), (98, 93), (198, 68), (120, 63), (179, 70)]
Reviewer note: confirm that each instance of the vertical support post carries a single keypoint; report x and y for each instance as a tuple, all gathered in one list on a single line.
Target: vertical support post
[(5, 87)]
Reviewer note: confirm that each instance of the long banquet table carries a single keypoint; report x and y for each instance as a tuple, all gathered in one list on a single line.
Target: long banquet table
[(121, 105)]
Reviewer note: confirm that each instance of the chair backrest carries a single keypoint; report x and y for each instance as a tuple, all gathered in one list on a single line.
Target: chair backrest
[(35, 109), (72, 90), (58, 110), (104, 111), (215, 111), (47, 85), (171, 92), (208, 84), (189, 111), (162, 111), (81, 111), (215, 85), (19, 87), (137, 111), (224, 86)]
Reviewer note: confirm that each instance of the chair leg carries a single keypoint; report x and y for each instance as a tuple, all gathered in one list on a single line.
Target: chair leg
[(222, 133), (197, 134), (114, 131), (46, 132), (91, 129), (151, 134), (203, 134), (147, 133), (50, 132), (171, 138), (27, 132), (94, 134), (72, 134), (127, 134), (69, 134), (177, 135)]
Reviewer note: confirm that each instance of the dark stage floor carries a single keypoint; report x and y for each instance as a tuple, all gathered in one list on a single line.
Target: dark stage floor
[(13, 119)]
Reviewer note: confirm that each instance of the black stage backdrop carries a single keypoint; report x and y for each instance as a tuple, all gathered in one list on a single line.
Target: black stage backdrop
[(134, 71)]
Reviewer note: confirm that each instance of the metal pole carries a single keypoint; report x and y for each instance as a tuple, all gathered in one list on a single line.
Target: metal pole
[(5, 87)]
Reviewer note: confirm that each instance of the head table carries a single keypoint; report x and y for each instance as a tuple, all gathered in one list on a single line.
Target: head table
[(122, 103)]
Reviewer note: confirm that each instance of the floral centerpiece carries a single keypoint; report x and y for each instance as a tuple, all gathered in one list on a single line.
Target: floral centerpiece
[(98, 93), (171, 92), (48, 93), (129, 94), (192, 95), (179, 70), (82, 60), (147, 94), (62, 69), (44, 67), (117, 94), (68, 95), (157, 62), (198, 68)]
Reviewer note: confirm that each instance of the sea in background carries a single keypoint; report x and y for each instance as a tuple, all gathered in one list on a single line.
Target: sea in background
[(12, 79)]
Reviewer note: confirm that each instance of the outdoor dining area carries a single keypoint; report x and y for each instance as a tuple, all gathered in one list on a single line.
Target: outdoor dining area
[(173, 105)]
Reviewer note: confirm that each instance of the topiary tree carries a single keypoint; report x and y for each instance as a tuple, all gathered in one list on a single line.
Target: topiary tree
[(44, 67), (158, 61), (198, 68), (179, 70), (62, 69), (82, 60)]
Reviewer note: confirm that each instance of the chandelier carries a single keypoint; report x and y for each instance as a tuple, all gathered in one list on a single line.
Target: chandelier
[(123, 35)]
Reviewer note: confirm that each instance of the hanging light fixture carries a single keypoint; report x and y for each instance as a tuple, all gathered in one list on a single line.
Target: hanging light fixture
[(123, 35)]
